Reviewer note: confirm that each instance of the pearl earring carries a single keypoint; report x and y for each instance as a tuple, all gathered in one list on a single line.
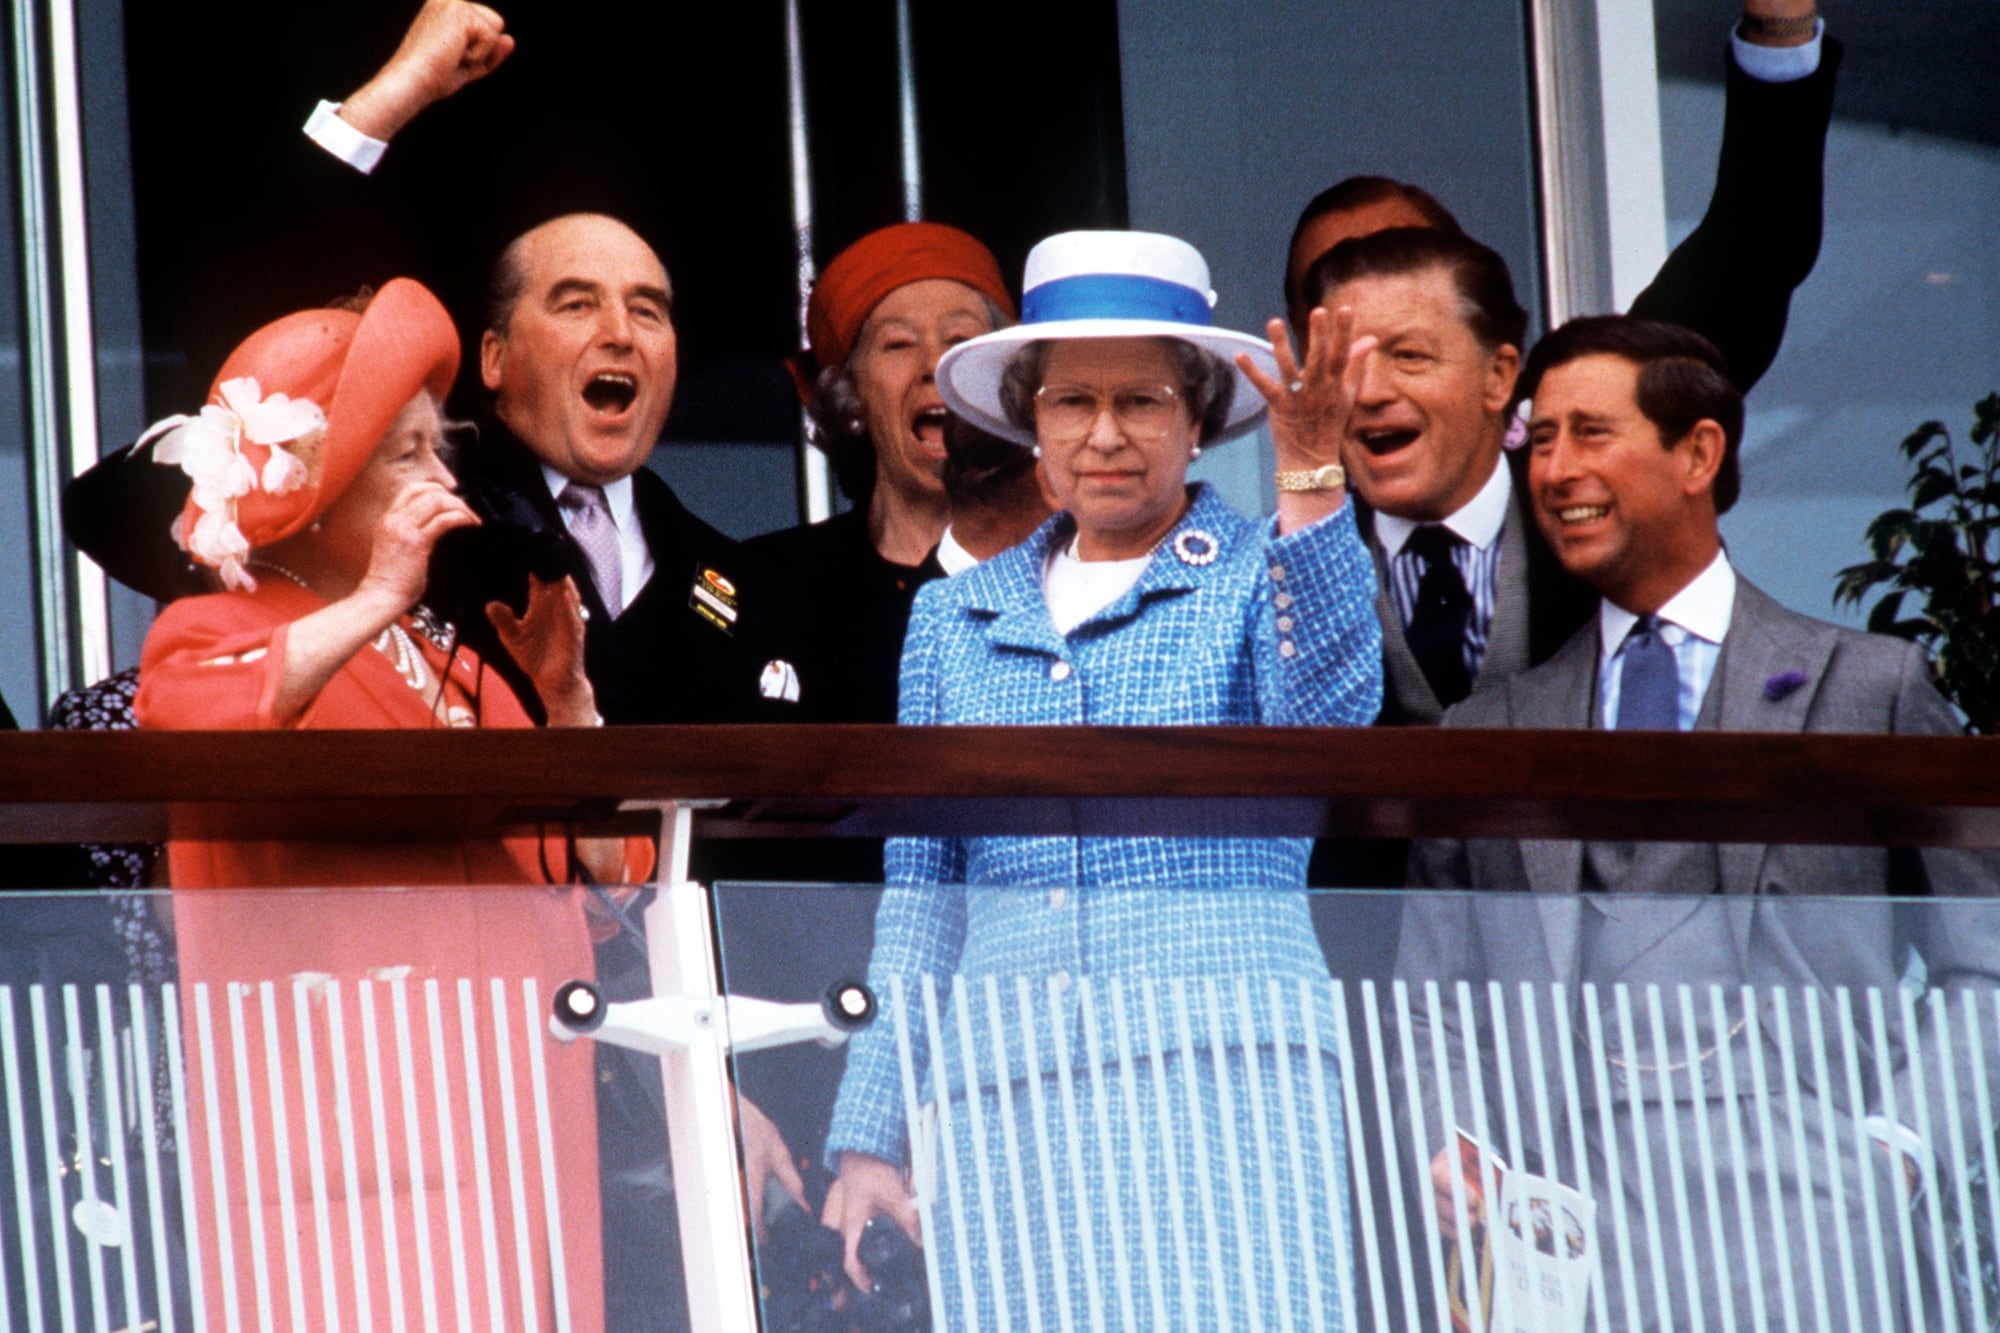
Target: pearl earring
[(1194, 453), (1037, 451)]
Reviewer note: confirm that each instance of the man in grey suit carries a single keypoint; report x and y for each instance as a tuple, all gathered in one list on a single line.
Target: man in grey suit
[(1725, 1129)]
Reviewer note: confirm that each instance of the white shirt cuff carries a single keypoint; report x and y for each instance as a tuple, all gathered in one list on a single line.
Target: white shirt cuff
[(360, 151), (1778, 64)]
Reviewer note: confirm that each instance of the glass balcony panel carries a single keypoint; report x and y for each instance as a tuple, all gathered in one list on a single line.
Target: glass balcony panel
[(1112, 1109), (317, 1110), (1157, 1108)]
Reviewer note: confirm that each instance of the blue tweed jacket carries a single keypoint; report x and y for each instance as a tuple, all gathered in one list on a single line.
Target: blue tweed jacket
[(1272, 629)]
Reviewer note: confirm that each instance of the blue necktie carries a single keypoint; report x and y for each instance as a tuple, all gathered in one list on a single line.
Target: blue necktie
[(1649, 687)]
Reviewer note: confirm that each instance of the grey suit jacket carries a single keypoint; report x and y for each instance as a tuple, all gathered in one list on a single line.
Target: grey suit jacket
[(1410, 694), (1537, 605), (1851, 682)]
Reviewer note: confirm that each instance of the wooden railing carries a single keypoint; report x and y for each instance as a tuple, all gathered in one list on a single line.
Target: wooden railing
[(1926, 791)]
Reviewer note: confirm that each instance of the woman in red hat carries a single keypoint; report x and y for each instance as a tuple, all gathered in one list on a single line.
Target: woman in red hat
[(837, 594), (369, 1094)]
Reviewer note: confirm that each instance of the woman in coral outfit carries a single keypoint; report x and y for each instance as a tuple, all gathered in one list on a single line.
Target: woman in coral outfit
[(379, 1131)]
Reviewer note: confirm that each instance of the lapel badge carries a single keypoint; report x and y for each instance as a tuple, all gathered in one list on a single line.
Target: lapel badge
[(779, 680), (1195, 547), (713, 598)]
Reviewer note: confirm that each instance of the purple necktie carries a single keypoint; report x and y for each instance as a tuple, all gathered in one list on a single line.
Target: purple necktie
[(589, 520)]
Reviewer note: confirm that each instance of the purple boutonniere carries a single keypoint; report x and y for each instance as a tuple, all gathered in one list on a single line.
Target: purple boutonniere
[(1782, 684)]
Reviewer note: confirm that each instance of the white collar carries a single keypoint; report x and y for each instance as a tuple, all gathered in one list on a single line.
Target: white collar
[(1702, 609), (953, 558), (1477, 522), (617, 495)]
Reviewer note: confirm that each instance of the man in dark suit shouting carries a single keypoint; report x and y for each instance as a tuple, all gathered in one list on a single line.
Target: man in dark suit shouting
[(579, 362), (1740, 1150)]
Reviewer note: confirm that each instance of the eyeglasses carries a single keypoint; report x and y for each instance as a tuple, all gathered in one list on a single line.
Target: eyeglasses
[(1065, 413)]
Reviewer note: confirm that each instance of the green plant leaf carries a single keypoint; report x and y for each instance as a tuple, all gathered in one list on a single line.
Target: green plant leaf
[(1986, 418), (1934, 537), (1943, 577), (1921, 436), (1883, 617), (1853, 584), (1936, 566), (1858, 579), (1890, 532), (1931, 484), (1980, 659)]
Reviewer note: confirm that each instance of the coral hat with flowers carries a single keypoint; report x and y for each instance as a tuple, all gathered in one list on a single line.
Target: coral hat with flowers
[(294, 415)]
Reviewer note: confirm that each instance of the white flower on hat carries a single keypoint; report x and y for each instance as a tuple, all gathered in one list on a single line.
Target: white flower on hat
[(208, 447)]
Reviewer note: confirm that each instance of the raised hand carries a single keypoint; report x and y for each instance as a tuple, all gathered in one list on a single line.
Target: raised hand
[(1309, 406), (399, 553), (1778, 22), (1311, 401), (450, 43), (547, 643), (399, 556)]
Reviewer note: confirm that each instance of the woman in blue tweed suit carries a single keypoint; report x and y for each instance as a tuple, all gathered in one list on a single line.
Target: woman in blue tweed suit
[(1131, 1042)]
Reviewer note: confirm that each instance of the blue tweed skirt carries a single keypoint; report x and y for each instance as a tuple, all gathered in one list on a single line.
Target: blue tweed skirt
[(1141, 1185)]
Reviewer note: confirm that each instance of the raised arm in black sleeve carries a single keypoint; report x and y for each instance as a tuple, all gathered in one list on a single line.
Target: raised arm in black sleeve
[(1732, 279)]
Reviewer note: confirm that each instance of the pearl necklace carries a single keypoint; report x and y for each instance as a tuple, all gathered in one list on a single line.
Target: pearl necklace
[(395, 644), (261, 563)]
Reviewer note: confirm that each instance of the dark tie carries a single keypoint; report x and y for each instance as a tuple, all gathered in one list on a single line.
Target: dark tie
[(1649, 686), (590, 522), (1437, 627)]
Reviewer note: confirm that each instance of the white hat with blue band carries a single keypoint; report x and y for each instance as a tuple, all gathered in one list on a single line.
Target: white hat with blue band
[(1103, 284)]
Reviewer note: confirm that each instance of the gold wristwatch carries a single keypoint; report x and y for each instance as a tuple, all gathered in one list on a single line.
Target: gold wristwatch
[(1313, 479)]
